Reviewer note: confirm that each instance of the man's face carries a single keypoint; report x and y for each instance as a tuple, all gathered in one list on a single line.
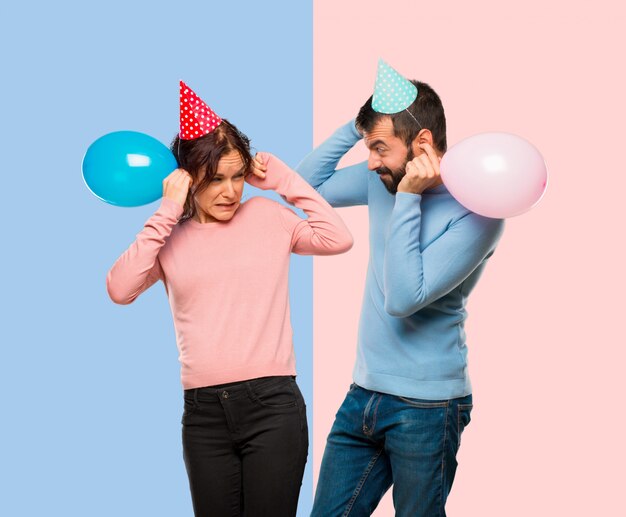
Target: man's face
[(388, 154)]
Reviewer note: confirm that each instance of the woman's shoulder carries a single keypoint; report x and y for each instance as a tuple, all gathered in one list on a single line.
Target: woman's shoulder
[(260, 208), (262, 203)]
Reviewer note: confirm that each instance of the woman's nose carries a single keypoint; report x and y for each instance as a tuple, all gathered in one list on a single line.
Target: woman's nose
[(229, 189)]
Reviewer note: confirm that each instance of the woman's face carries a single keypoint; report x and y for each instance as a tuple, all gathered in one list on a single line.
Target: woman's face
[(221, 199)]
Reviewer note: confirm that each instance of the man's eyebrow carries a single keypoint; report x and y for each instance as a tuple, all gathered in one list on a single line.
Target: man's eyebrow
[(375, 143)]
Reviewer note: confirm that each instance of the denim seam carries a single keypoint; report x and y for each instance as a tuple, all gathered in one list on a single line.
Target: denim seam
[(458, 427), (240, 496), (375, 415), (301, 409), (366, 414), (460, 407), (443, 459), (230, 424), (358, 488), (194, 405)]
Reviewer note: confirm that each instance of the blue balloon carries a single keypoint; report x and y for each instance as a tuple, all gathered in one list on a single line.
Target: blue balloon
[(127, 168)]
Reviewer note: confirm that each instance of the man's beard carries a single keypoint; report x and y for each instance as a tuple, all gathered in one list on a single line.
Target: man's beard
[(392, 178)]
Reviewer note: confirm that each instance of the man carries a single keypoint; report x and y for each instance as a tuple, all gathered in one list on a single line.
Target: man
[(402, 419)]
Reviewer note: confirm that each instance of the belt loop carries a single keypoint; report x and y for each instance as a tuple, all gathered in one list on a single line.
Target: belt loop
[(249, 389), (195, 397)]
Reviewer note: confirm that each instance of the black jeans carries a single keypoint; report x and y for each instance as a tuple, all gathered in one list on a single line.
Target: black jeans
[(245, 446)]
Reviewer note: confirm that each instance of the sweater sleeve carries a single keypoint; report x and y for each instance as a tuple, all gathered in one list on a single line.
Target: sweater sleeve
[(340, 187), (324, 232), (138, 267), (414, 278)]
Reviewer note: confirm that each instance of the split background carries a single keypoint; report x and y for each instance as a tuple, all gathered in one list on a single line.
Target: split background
[(90, 391)]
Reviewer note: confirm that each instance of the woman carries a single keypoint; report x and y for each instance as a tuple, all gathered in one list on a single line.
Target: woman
[(225, 267)]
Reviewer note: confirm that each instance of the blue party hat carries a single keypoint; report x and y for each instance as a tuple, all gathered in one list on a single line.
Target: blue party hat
[(393, 93)]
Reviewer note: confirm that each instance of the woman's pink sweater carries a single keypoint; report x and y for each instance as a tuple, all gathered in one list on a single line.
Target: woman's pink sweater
[(227, 282)]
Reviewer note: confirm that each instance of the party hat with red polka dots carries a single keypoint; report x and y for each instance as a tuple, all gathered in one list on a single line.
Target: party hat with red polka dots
[(196, 118)]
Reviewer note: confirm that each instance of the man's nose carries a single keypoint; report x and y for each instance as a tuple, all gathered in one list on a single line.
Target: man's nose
[(373, 162)]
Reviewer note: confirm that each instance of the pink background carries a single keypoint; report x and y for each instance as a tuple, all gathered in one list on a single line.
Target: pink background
[(545, 328)]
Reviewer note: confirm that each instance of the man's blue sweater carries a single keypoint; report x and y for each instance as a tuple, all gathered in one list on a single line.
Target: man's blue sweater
[(426, 255)]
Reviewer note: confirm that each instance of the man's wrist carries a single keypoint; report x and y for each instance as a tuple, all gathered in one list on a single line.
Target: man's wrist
[(414, 196), (417, 193)]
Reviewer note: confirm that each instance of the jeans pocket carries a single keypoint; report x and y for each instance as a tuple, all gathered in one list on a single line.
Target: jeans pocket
[(279, 393), (189, 409), (463, 419), (425, 404)]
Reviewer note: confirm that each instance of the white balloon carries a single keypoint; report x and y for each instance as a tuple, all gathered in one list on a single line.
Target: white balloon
[(495, 174)]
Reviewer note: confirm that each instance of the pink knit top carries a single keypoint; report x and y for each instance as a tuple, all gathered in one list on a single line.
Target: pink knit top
[(227, 282)]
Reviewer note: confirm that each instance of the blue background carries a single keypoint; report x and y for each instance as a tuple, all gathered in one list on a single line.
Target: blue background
[(91, 394)]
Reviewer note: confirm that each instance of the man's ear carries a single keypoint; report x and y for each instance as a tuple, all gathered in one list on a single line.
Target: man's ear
[(423, 137)]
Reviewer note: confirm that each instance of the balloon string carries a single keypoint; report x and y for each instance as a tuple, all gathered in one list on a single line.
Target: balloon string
[(407, 110)]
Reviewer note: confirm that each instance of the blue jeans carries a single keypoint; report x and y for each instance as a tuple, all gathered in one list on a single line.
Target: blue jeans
[(378, 440)]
